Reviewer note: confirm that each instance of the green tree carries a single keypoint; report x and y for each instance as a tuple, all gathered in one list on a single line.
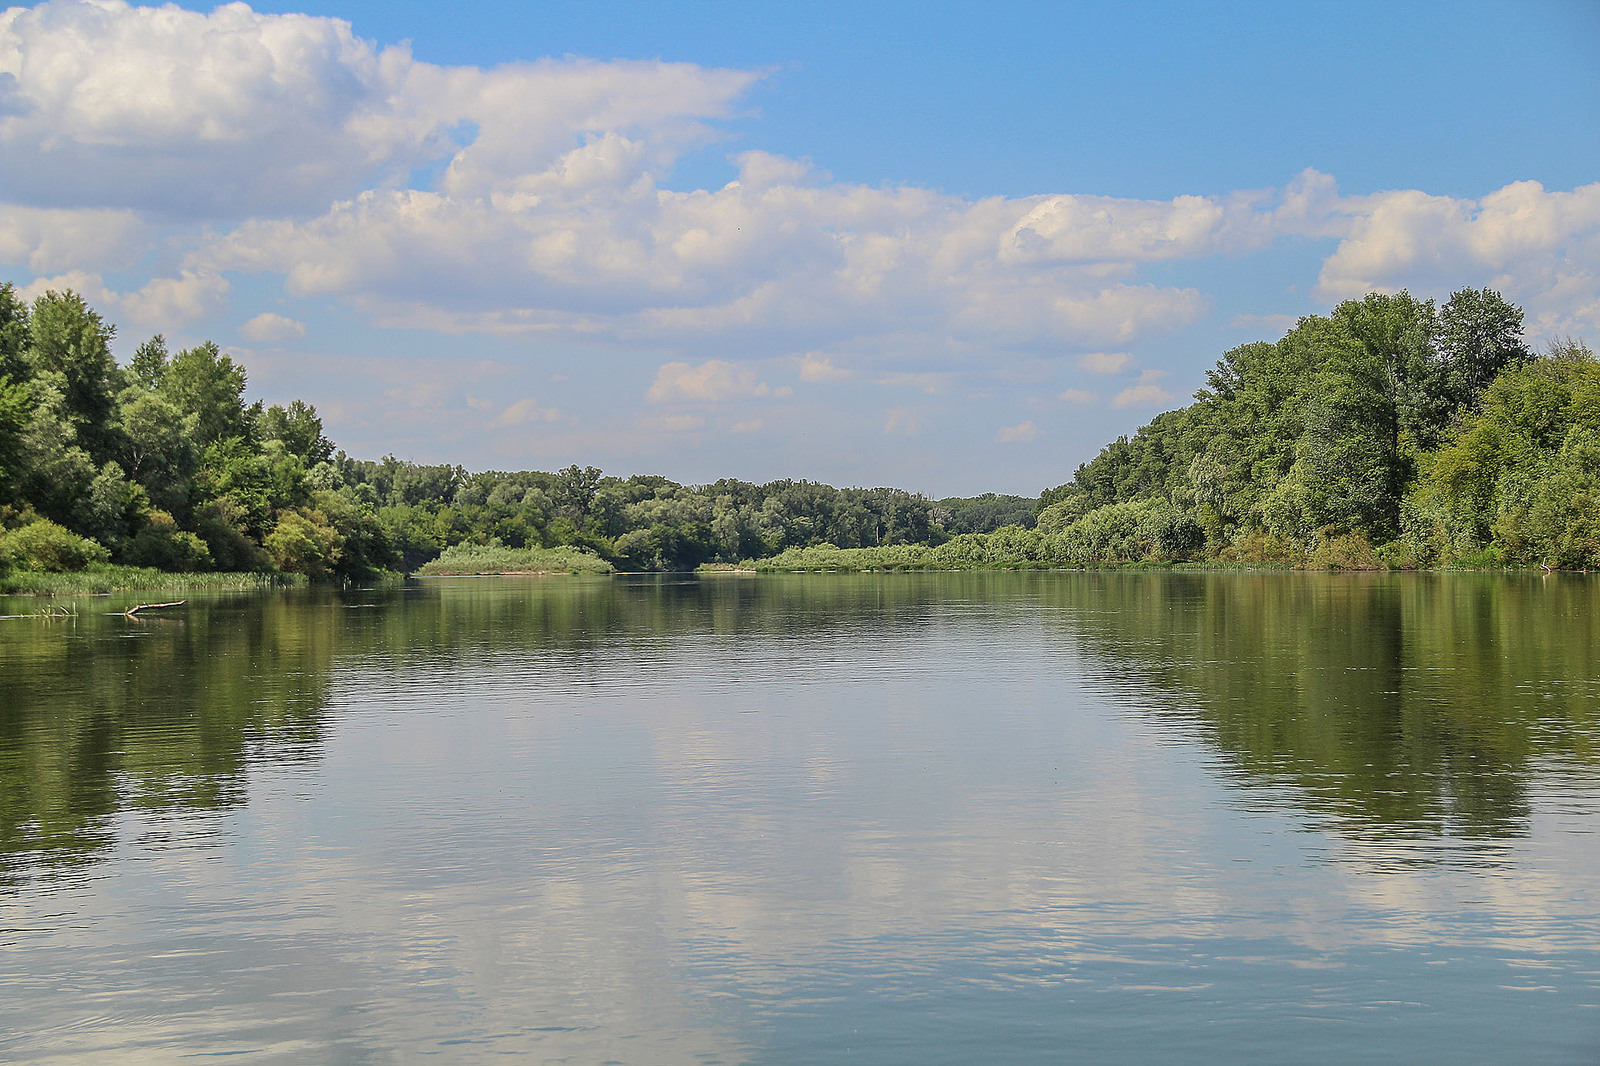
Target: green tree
[(304, 541), (13, 334), (150, 362), (71, 341), (158, 449), (209, 387), (1480, 334), (300, 430), (16, 411)]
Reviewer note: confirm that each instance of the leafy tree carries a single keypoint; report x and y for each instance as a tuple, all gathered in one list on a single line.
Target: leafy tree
[(304, 542), (13, 334), (71, 342), (300, 430), (158, 449), (150, 363), (208, 387), (16, 411)]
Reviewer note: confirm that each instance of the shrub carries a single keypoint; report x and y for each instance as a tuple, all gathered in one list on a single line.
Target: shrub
[(43, 545), (164, 546)]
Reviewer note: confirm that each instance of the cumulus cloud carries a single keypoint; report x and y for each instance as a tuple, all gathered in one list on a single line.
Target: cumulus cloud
[(816, 369), (544, 211), (53, 239), (235, 112), (1271, 323), (1105, 362), (268, 327), (677, 423), (1145, 394), (161, 303), (1017, 434), (192, 296), (1539, 247), (524, 412), (1079, 396), (713, 381)]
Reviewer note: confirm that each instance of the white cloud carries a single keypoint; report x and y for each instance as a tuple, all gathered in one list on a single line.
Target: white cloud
[(1144, 395), (749, 425), (930, 382), (268, 327), (524, 412), (713, 381), (172, 303), (1079, 396), (816, 369), (677, 423), (1540, 248), (1104, 362), (51, 239), (162, 303), (1017, 434), (90, 286), (544, 211), (235, 112)]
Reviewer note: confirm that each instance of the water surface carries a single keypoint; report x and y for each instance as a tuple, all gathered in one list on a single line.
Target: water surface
[(883, 819)]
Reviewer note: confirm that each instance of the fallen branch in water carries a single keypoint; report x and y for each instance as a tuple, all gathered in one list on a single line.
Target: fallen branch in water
[(131, 611)]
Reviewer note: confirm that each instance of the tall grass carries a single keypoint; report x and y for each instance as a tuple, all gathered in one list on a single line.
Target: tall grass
[(96, 580), (496, 559)]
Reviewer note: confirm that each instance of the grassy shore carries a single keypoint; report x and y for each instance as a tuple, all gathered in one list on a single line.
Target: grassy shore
[(97, 580), (464, 559)]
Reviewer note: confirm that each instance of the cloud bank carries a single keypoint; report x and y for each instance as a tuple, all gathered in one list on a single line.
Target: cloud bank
[(155, 159)]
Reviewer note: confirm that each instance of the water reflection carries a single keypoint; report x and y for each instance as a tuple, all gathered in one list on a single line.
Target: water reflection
[(1398, 704), (941, 818)]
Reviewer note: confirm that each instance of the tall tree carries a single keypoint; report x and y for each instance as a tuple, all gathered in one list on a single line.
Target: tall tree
[(150, 360), (69, 340), (1480, 334), (300, 430), (13, 333), (208, 386)]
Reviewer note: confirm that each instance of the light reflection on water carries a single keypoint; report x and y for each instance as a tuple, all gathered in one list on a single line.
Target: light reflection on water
[(1143, 817)]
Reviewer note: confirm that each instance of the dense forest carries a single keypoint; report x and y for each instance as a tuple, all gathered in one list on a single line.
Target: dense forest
[(1389, 433)]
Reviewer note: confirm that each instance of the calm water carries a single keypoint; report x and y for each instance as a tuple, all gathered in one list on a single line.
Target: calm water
[(881, 819)]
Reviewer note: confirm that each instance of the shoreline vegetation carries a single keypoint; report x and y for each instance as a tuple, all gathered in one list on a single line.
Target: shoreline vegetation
[(1390, 434)]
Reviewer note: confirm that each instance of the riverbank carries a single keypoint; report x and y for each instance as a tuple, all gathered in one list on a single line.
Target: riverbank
[(99, 580)]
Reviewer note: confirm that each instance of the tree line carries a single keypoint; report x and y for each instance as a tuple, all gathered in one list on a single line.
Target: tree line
[(164, 463), (1388, 432)]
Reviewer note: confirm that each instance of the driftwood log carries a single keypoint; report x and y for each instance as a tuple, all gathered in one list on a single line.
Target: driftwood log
[(131, 611)]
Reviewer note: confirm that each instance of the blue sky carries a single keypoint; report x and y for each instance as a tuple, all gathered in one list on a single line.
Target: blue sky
[(968, 244)]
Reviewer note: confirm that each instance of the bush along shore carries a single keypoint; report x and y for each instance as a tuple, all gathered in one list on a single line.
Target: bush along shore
[(1390, 433)]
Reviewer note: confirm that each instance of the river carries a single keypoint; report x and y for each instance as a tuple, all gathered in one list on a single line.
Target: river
[(930, 818)]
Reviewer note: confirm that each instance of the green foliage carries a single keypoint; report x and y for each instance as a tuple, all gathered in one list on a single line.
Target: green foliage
[(304, 542), (498, 559), (1386, 433), (44, 545), (13, 334), (158, 449), (16, 411), (148, 367), (300, 431), (208, 387), (162, 545), (71, 344), (984, 514)]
